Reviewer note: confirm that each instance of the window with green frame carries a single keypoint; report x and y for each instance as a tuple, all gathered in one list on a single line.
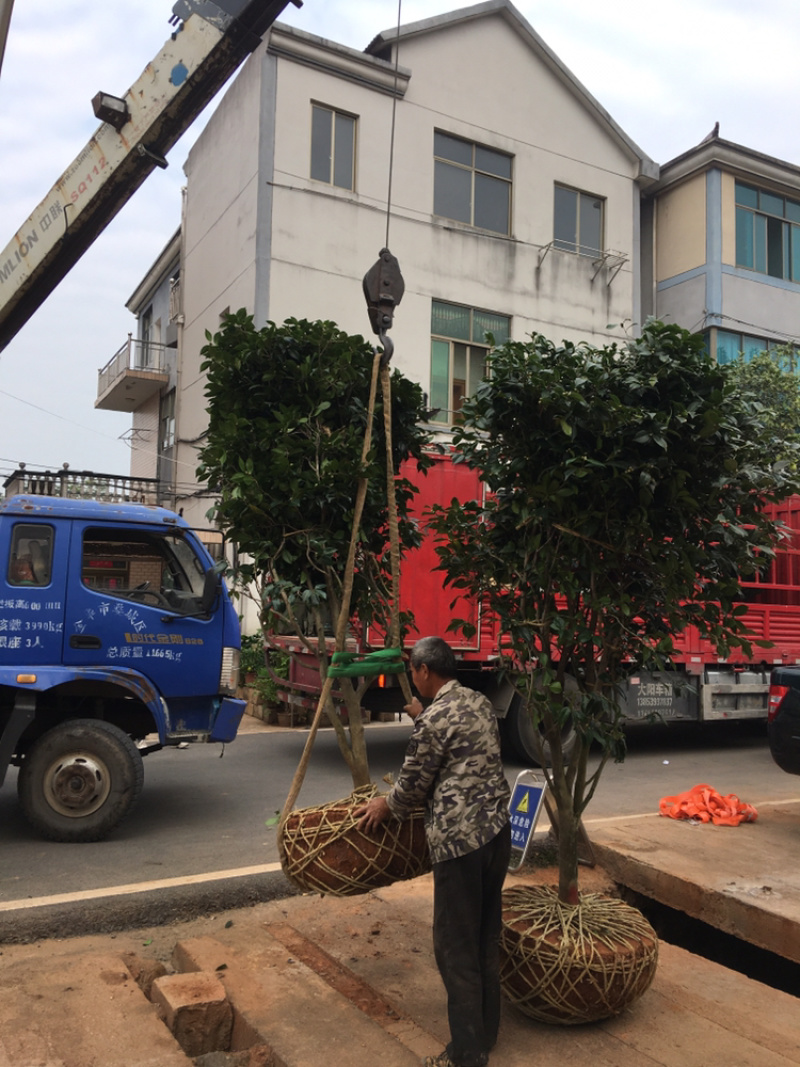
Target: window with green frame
[(767, 233), (459, 347)]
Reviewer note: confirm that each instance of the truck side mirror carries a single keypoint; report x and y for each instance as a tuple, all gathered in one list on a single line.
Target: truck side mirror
[(212, 586)]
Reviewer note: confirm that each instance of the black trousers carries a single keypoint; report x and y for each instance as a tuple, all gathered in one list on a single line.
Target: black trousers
[(467, 920)]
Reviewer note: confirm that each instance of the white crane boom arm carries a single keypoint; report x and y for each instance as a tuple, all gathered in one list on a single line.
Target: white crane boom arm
[(210, 41)]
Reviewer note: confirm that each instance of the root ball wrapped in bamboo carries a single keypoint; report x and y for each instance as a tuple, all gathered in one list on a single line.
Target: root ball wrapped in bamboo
[(569, 964), (322, 850)]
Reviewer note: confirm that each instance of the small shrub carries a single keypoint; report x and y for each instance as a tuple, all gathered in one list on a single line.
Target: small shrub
[(265, 684), (251, 659)]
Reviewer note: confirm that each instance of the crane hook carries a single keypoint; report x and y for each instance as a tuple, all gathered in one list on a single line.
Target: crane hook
[(383, 289)]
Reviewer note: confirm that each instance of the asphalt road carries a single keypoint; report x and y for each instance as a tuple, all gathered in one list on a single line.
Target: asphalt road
[(199, 837)]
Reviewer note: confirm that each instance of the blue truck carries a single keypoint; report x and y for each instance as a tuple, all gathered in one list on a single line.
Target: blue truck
[(117, 638)]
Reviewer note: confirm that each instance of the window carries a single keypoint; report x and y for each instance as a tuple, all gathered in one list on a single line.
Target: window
[(458, 354), (731, 345), (578, 222), (175, 296), (471, 183), (146, 332), (31, 558), (767, 233), (166, 421), (333, 146), (154, 569)]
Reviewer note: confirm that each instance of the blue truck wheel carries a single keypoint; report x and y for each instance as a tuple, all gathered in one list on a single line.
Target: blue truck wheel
[(80, 780)]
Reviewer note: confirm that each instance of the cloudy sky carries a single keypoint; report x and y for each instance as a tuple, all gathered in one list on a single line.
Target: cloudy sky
[(666, 73)]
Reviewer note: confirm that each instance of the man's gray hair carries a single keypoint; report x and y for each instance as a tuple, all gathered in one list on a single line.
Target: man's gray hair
[(436, 655)]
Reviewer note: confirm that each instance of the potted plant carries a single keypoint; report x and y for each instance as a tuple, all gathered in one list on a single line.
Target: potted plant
[(625, 493), (251, 658)]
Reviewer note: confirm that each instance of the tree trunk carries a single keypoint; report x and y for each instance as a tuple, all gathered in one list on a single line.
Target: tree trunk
[(358, 763), (567, 844), (563, 783)]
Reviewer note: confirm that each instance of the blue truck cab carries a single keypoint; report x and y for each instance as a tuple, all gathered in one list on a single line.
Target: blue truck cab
[(117, 638)]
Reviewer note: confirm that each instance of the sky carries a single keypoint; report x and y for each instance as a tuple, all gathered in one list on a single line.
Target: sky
[(665, 73)]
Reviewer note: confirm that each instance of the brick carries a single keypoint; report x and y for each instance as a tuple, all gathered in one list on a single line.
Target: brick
[(196, 1011), (144, 971)]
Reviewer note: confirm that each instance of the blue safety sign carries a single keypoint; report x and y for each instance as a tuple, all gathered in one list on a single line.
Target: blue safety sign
[(527, 798)]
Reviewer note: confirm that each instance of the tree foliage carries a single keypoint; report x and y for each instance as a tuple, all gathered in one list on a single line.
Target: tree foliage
[(626, 495), (288, 408), (771, 382)]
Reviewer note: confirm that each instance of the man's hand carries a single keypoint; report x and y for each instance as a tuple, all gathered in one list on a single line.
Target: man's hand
[(371, 815), (413, 709)]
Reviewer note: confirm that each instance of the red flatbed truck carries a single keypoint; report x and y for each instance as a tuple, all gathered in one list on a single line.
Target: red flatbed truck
[(701, 686)]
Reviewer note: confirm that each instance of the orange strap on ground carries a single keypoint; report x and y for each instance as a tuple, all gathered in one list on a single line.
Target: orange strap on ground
[(706, 805)]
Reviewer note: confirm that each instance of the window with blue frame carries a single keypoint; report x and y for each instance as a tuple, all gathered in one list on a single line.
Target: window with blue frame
[(767, 233), (730, 345), (459, 347)]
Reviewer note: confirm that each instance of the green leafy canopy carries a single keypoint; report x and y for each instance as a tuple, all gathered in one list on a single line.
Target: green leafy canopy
[(771, 383), (629, 483), (287, 411), (626, 493)]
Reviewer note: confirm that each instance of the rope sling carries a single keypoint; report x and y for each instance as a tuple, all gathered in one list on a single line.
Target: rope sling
[(321, 848)]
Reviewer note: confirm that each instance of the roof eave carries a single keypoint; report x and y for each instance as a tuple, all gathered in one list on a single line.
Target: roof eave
[(648, 169)]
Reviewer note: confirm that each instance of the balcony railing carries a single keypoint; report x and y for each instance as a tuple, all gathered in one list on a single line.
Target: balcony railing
[(83, 485), (134, 355), (133, 374)]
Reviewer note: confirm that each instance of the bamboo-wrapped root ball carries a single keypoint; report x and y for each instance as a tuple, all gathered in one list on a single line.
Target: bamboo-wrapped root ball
[(322, 850)]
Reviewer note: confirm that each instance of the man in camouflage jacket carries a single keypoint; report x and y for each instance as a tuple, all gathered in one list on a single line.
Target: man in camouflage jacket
[(452, 766)]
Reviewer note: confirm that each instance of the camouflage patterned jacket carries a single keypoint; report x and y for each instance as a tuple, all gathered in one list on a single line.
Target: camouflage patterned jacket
[(452, 766)]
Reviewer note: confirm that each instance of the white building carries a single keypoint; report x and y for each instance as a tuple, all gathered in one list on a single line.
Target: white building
[(515, 203)]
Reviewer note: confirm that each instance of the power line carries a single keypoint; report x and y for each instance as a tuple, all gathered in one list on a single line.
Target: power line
[(55, 415)]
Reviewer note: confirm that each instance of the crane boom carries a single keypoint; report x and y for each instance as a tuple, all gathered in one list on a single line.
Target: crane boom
[(211, 39)]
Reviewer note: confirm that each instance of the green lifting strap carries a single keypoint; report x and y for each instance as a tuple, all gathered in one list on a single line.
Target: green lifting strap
[(356, 664)]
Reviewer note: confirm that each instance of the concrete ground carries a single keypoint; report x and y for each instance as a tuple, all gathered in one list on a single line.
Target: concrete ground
[(352, 982), (744, 880)]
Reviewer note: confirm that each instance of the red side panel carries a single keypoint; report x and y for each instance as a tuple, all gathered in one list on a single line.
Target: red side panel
[(773, 603), (422, 588)]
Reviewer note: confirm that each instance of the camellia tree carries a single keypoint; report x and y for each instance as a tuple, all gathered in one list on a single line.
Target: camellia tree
[(770, 380), (626, 494), (288, 410)]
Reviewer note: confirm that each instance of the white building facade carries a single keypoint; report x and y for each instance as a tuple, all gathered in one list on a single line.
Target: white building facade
[(514, 202)]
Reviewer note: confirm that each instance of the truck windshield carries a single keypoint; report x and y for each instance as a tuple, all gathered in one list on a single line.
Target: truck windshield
[(162, 570)]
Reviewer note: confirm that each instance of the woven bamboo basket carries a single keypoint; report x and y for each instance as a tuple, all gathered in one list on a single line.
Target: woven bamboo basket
[(322, 850), (572, 964)]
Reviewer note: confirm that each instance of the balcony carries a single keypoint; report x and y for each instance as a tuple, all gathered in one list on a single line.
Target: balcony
[(134, 374), (83, 485)]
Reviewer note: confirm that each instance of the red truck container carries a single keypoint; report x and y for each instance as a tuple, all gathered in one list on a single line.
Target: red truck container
[(701, 686)]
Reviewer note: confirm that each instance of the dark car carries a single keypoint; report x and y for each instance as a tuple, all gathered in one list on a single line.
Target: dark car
[(783, 719)]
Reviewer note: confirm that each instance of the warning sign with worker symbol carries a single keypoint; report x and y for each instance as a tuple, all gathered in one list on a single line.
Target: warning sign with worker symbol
[(527, 798)]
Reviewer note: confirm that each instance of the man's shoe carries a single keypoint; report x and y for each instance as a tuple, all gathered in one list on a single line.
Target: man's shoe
[(443, 1060)]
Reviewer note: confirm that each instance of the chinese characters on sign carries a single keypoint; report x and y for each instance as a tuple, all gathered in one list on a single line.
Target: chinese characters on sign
[(527, 798)]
